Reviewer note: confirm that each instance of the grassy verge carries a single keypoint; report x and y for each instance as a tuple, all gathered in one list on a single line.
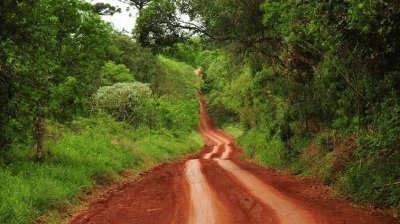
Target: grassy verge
[(87, 150), (338, 160), (234, 130), (270, 153)]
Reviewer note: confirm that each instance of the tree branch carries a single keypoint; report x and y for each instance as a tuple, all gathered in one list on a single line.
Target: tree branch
[(387, 185)]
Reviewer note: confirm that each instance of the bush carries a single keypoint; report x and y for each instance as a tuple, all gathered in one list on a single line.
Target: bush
[(263, 147), (181, 116), (234, 130), (325, 141), (125, 101), (374, 175), (175, 80), (113, 73)]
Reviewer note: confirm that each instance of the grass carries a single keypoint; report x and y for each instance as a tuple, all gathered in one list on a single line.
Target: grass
[(87, 150), (234, 130), (352, 167), (259, 145)]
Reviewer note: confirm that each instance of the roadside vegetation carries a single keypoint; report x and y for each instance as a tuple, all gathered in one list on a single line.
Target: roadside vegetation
[(81, 102), (308, 86), (82, 152), (313, 84)]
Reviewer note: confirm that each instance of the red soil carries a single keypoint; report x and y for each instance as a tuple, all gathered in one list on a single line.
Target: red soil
[(215, 186)]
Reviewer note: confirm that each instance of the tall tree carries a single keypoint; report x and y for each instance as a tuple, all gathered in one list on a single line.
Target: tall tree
[(48, 46), (158, 25), (105, 9), (140, 4)]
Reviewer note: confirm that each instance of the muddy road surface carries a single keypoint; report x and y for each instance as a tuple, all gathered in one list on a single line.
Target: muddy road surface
[(216, 186)]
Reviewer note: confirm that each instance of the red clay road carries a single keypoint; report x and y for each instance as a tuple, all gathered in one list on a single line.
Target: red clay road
[(215, 186)]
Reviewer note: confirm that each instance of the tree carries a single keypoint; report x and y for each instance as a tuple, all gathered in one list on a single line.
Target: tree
[(47, 46), (140, 61), (158, 26), (113, 73), (105, 9), (140, 4), (187, 51)]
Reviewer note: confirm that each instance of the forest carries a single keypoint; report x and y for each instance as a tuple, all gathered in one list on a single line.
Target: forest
[(311, 87)]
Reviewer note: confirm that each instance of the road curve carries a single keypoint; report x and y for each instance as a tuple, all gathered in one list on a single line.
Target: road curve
[(215, 186)]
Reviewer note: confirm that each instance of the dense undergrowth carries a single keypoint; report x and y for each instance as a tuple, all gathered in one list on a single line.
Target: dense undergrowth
[(87, 150), (341, 161)]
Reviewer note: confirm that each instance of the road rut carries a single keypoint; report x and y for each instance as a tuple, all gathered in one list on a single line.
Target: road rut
[(216, 186)]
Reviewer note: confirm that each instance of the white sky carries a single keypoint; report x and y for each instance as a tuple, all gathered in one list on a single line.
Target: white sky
[(126, 20), (121, 21)]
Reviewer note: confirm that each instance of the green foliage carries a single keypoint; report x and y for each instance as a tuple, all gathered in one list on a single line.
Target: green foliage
[(187, 52), (140, 61), (374, 173), (181, 116), (50, 48), (113, 73), (168, 77), (233, 130), (175, 108), (176, 80), (88, 150), (263, 147), (105, 9), (325, 141), (291, 70), (125, 101), (57, 59), (216, 67), (66, 101), (158, 25)]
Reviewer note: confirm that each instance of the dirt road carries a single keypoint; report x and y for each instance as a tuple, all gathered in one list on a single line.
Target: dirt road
[(215, 186)]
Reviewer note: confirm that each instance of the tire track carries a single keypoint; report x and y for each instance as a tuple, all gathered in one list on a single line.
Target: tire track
[(205, 207), (286, 211), (213, 152), (215, 187)]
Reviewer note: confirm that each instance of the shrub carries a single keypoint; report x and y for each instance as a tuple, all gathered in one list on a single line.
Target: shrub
[(113, 73), (181, 116), (325, 141), (263, 147), (375, 175), (175, 80), (125, 101)]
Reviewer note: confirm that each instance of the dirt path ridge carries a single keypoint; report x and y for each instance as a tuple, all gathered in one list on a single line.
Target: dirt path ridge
[(217, 187)]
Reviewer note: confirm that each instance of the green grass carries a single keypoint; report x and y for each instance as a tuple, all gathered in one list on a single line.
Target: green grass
[(87, 150), (261, 147), (258, 144), (234, 130)]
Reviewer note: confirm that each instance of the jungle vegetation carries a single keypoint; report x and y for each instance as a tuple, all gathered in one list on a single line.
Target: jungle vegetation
[(81, 102), (313, 86)]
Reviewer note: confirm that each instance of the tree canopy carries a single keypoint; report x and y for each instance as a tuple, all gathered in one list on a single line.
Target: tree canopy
[(297, 74)]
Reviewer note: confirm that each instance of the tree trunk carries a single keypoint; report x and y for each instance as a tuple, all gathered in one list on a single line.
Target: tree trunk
[(38, 135)]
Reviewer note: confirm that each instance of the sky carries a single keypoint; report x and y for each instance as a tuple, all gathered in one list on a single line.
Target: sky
[(121, 21)]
